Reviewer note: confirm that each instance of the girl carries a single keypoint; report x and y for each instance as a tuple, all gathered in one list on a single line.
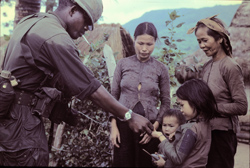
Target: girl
[(139, 83), (192, 139)]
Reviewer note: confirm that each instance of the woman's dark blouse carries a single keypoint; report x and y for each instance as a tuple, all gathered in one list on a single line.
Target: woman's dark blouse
[(155, 86)]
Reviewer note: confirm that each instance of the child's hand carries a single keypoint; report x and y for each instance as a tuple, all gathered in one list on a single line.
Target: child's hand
[(160, 162), (156, 134), (171, 136)]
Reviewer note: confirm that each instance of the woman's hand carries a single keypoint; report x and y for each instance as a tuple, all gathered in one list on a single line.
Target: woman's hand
[(160, 162), (114, 134), (146, 138)]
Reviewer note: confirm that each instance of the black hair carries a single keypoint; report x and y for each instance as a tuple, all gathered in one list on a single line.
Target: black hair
[(226, 45), (175, 113), (146, 28), (200, 98)]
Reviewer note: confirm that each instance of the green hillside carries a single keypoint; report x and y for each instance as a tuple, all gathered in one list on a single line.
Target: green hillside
[(189, 16)]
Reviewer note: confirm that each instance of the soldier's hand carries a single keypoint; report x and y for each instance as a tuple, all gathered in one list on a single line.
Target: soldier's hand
[(140, 124)]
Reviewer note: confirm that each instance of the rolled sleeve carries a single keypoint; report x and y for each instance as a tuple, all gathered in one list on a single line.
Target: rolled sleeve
[(77, 79)]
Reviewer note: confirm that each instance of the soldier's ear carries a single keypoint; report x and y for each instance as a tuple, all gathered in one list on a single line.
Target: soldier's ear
[(73, 9)]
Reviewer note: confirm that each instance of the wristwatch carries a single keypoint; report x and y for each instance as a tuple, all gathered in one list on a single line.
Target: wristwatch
[(128, 115)]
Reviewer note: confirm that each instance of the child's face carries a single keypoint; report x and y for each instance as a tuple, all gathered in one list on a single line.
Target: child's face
[(169, 125), (186, 109)]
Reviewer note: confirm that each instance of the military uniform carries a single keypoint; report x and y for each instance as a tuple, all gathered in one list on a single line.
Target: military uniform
[(39, 47)]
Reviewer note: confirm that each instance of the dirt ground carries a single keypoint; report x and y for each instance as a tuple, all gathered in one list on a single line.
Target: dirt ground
[(242, 157)]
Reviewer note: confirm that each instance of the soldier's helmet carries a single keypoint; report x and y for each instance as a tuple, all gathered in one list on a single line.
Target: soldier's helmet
[(93, 8)]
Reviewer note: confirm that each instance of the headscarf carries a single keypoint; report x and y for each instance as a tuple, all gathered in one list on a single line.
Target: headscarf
[(218, 28)]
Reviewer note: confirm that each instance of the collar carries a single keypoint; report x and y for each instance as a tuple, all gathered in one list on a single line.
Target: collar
[(59, 19), (196, 119), (150, 58)]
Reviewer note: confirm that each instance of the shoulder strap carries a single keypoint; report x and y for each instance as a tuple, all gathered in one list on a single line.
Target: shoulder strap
[(33, 19), (20, 32), (26, 26)]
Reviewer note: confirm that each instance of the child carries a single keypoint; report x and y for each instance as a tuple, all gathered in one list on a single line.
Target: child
[(171, 120), (192, 139)]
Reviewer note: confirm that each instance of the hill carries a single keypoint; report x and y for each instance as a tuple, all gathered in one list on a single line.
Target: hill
[(189, 16)]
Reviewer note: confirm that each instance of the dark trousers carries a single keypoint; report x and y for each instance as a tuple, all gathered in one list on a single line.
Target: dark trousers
[(26, 157), (130, 153), (223, 149)]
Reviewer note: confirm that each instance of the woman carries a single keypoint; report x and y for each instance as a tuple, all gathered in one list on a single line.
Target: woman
[(224, 77), (139, 83)]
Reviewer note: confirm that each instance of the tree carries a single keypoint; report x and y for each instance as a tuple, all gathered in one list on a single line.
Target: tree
[(170, 55), (25, 8), (50, 5)]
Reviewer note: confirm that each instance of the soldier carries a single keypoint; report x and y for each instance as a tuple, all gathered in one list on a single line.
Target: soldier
[(42, 53)]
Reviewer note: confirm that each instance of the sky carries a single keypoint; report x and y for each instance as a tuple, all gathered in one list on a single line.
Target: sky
[(122, 11)]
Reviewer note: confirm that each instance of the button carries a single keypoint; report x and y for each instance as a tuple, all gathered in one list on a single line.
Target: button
[(4, 86)]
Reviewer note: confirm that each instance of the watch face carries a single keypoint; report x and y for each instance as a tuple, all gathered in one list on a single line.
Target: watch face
[(127, 116)]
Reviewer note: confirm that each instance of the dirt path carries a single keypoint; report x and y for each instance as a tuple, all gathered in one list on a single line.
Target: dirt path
[(242, 157)]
